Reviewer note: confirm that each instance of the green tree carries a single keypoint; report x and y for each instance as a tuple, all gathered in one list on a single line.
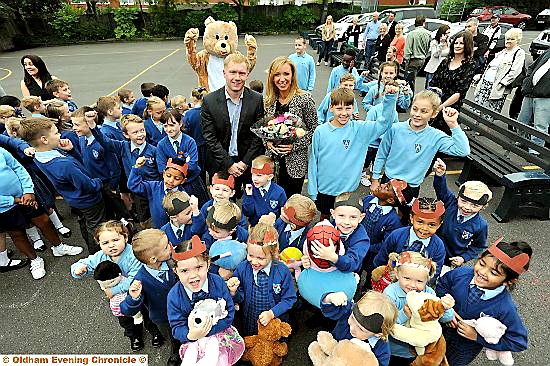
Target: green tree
[(22, 9)]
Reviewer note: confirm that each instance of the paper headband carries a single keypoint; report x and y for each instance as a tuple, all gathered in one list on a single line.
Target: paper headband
[(290, 213), (230, 225), (266, 169), (230, 182), (482, 201), (405, 260), (269, 239), (352, 201), (197, 248), (398, 187), (372, 323), (177, 206), (516, 264), (181, 168), (426, 214)]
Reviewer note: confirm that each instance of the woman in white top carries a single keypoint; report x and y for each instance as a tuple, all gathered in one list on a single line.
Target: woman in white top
[(328, 32), (495, 82), (439, 49)]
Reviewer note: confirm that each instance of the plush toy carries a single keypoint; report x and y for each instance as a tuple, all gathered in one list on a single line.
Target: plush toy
[(492, 330), (292, 256), (323, 276), (220, 39), (263, 349), (227, 254), (326, 351), (383, 276), (422, 330)]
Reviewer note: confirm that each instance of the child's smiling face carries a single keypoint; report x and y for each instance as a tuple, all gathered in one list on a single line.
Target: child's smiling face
[(488, 274), (172, 178), (425, 228), (468, 208), (347, 218), (256, 256), (221, 192), (411, 278), (192, 272)]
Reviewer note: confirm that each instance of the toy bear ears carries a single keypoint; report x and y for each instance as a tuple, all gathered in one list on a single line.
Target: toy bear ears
[(211, 20)]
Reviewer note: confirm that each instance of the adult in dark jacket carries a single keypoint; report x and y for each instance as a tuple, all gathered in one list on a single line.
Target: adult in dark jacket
[(354, 30), (481, 44), (226, 117)]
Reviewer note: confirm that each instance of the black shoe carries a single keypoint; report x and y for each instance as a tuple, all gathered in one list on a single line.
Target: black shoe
[(136, 344), (12, 267), (10, 253), (157, 341), (174, 360)]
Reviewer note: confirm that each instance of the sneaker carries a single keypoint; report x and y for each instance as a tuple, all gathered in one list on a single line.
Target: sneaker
[(64, 249), (37, 268), (318, 63), (39, 246), (64, 232), (14, 264), (326, 63), (365, 179)]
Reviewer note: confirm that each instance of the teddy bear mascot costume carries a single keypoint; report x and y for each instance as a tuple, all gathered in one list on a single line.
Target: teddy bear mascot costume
[(220, 39)]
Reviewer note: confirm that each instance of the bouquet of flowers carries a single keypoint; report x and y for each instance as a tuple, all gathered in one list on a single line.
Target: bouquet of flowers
[(281, 130)]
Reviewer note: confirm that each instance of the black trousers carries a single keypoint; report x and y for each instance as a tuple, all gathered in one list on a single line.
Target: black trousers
[(166, 331), (132, 330), (88, 221), (289, 184), (324, 203)]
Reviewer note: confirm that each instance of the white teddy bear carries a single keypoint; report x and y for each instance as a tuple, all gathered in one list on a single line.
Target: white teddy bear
[(492, 330)]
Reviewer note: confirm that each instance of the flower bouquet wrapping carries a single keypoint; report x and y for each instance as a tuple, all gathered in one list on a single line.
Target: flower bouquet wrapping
[(281, 130)]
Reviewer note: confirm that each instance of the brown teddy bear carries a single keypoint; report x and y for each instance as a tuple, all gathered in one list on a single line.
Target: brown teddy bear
[(327, 351), (383, 276), (263, 349), (220, 39)]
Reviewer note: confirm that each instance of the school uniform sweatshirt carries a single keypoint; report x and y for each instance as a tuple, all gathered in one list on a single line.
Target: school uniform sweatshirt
[(337, 155), (14, 181), (256, 205), (187, 149), (407, 154)]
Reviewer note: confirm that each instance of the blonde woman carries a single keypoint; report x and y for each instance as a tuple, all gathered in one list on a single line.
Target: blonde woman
[(399, 42), (283, 95), (328, 32)]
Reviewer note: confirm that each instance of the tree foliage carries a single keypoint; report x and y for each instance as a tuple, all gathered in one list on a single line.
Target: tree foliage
[(124, 20)]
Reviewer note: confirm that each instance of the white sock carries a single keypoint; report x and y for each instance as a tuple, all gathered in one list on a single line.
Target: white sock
[(32, 233), (4, 258), (55, 219)]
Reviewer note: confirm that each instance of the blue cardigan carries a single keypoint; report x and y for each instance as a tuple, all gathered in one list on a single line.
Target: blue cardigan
[(357, 245), (255, 206), (280, 225), (188, 149), (153, 133), (172, 239), (384, 225), (179, 307)]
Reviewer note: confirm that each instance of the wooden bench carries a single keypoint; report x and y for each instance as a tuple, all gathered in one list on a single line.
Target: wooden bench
[(498, 149)]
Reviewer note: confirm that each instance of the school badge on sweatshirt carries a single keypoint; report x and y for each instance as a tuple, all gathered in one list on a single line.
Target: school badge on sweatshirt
[(346, 143), (466, 235), (273, 203), (277, 288), (95, 153), (417, 148)]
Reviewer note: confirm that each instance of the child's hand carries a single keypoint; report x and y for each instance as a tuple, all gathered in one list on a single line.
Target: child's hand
[(336, 299), (457, 261), (80, 270), (265, 317), (306, 262), (65, 145), (248, 189), (355, 116), (28, 199), (108, 293), (391, 89), (447, 301), (450, 115), (365, 73), (233, 284), (406, 90), (225, 273), (201, 331), (135, 289), (90, 117), (29, 151), (454, 323), (374, 185), (407, 311), (439, 167), (194, 204), (140, 162), (320, 251), (466, 331)]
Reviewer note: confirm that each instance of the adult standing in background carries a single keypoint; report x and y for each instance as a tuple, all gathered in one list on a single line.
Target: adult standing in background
[(226, 117), (392, 23), (382, 42), (369, 37), (417, 49), (328, 32), (398, 42), (354, 30), (493, 32), (481, 44), (36, 75), (283, 95), (439, 49)]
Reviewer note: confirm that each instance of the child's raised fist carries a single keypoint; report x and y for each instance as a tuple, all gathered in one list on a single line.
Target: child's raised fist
[(306, 262), (194, 204), (135, 289), (447, 301), (65, 144), (248, 189), (450, 115), (439, 167), (391, 89), (336, 299), (233, 284), (140, 162)]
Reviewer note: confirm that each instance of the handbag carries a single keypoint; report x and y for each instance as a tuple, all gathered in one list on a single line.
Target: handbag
[(516, 83)]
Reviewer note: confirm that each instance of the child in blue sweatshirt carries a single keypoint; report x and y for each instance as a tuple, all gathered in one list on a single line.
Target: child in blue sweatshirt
[(347, 81), (69, 177), (339, 147), (262, 284), (140, 104), (408, 148), (484, 290), (151, 286), (296, 217), (356, 320), (347, 66), (192, 122), (152, 119), (180, 209), (464, 231), (108, 108), (264, 195), (387, 75), (413, 271), (127, 100), (426, 217), (176, 144)]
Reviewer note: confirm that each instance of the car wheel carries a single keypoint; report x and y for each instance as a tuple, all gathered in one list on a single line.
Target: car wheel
[(522, 25)]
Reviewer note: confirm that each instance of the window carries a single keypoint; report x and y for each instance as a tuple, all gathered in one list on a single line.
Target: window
[(477, 11), (409, 14)]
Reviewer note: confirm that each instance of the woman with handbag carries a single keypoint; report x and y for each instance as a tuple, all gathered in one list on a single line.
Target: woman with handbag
[(499, 77)]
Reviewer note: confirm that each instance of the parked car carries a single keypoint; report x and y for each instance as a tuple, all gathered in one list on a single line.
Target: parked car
[(507, 15), (543, 19), (504, 27), (342, 25), (431, 24), (540, 44), (408, 13)]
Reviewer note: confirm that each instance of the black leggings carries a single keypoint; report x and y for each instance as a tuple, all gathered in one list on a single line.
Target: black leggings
[(289, 184)]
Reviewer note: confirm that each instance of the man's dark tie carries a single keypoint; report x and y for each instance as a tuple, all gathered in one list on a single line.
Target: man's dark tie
[(474, 295), (416, 246)]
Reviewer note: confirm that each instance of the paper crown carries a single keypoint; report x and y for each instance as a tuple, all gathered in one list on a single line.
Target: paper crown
[(183, 169), (428, 214), (290, 213), (372, 323), (475, 192), (230, 225), (516, 264), (177, 206), (197, 248), (266, 169), (353, 201), (269, 239), (398, 187), (230, 182), (406, 260)]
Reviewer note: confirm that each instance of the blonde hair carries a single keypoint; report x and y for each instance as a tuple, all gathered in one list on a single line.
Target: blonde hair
[(170, 196), (431, 96), (111, 225), (347, 77), (144, 242), (105, 103), (342, 96), (514, 32), (224, 211), (236, 58), (257, 235), (13, 124), (6, 111), (260, 160), (127, 119), (178, 100), (377, 302), (416, 259), (304, 207), (272, 92), (31, 103), (150, 103), (32, 129), (56, 110)]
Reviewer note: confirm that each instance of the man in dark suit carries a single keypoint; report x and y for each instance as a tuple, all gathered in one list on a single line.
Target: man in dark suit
[(226, 117), (391, 24)]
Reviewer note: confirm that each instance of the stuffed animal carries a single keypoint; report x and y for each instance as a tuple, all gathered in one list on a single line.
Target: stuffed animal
[(292, 256), (220, 39), (422, 330), (492, 330), (383, 276), (227, 254), (326, 351), (263, 349)]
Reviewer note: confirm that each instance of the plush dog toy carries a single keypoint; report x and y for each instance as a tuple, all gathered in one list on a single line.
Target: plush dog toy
[(383, 276), (492, 330), (220, 39), (326, 351), (263, 349)]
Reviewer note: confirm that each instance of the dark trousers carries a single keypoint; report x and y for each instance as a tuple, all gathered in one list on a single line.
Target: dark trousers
[(413, 67), (115, 209), (289, 184), (141, 208), (371, 156), (324, 203), (245, 178), (88, 221), (400, 361), (164, 328), (325, 50), (132, 330)]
